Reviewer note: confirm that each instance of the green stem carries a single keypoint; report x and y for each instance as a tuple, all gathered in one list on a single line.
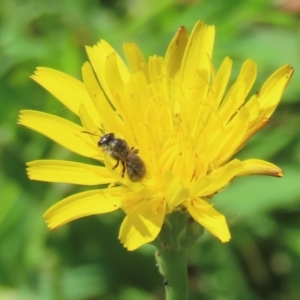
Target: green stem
[(173, 266)]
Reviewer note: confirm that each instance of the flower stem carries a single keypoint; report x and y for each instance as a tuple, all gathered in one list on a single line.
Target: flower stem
[(173, 266)]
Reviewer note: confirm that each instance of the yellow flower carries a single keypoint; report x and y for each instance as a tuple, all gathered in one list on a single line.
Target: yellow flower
[(180, 115)]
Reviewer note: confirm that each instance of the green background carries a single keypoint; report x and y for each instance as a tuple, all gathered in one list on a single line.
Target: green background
[(84, 260)]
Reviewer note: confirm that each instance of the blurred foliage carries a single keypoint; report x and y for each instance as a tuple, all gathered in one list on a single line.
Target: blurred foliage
[(84, 260)]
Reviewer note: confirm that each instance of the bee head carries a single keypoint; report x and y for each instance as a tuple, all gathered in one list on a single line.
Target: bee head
[(106, 139)]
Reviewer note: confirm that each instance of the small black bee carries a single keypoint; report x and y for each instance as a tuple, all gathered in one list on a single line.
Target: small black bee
[(120, 151)]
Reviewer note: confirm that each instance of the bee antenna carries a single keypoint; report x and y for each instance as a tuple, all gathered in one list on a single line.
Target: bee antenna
[(102, 129), (90, 133)]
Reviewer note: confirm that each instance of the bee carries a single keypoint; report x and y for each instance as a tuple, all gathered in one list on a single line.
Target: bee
[(119, 150)]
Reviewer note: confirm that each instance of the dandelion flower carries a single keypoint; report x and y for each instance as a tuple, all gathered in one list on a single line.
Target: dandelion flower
[(177, 111)]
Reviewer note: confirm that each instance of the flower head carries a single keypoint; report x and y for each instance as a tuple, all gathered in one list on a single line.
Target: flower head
[(180, 115)]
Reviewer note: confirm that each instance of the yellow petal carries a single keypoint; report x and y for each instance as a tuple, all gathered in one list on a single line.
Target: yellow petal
[(216, 180), (136, 59), (175, 52), (259, 167), (170, 152), (163, 94), (135, 96), (176, 193), (68, 90), (82, 205), (68, 172), (98, 56), (254, 126), (63, 132), (89, 125), (221, 177), (232, 137), (239, 91), (113, 75), (96, 93), (209, 218), (143, 224), (110, 120), (221, 81), (197, 54), (272, 90)]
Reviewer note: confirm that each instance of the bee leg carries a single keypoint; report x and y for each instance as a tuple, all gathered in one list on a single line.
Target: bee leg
[(116, 164), (123, 170), (135, 151)]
